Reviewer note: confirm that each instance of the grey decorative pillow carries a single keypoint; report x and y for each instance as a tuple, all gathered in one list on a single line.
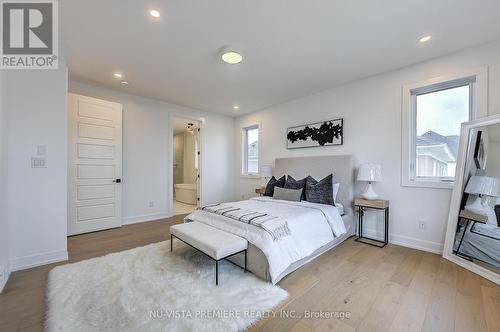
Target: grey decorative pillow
[(272, 184), (320, 192), (292, 195), (497, 212), (291, 183)]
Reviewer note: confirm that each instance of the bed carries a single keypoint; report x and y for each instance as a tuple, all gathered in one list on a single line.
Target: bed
[(315, 228), (481, 242)]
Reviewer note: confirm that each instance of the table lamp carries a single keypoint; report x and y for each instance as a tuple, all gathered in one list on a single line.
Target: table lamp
[(480, 186), (266, 172), (370, 173)]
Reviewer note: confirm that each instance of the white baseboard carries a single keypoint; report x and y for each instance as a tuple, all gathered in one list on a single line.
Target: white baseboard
[(26, 262), (410, 242), (4, 276), (144, 218)]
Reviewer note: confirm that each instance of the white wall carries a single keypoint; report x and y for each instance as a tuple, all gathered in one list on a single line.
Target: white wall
[(146, 161), (178, 147), (371, 109), (493, 162), (189, 161), (4, 258), (36, 104)]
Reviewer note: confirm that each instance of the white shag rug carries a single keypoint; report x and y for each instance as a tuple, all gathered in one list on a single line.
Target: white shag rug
[(151, 289)]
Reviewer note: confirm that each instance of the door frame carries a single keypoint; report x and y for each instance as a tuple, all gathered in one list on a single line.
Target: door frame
[(170, 145)]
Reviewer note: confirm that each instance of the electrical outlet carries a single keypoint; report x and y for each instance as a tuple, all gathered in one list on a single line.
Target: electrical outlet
[(151, 204), (421, 225)]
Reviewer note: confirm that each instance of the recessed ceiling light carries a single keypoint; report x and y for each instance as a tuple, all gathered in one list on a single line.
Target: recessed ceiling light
[(236, 108), (425, 39), (124, 83), (154, 13), (230, 54), (118, 75), (232, 57)]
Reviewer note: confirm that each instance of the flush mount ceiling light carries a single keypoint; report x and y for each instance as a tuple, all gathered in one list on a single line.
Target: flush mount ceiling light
[(231, 56), (154, 13), (118, 75), (425, 39), (236, 108), (125, 83)]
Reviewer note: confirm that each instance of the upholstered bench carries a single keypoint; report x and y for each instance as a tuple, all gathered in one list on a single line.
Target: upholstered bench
[(209, 240)]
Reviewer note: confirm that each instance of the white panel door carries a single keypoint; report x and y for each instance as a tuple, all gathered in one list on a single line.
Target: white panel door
[(94, 164)]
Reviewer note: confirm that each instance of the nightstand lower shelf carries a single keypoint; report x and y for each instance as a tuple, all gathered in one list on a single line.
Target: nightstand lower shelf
[(368, 240)]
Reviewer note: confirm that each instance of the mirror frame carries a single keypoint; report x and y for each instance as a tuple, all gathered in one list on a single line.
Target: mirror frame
[(457, 197)]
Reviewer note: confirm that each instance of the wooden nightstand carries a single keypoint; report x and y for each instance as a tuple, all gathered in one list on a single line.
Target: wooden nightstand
[(468, 217), (260, 190), (377, 204)]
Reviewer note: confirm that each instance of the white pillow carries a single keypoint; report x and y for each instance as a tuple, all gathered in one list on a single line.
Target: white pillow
[(336, 187), (492, 217), (340, 208)]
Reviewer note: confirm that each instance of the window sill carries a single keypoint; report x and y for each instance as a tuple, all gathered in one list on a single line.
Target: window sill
[(251, 176), (428, 184)]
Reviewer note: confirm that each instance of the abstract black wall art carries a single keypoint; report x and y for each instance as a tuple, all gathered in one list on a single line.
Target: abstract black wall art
[(325, 133)]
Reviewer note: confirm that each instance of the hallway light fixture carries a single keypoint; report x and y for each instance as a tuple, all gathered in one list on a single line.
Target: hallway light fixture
[(425, 39), (154, 13)]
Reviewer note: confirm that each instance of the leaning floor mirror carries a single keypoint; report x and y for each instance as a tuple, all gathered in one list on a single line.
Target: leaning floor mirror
[(473, 233)]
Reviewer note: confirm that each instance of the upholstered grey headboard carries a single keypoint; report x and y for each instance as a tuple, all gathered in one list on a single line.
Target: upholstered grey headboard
[(319, 167)]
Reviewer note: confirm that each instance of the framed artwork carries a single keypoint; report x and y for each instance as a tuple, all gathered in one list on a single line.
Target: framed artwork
[(479, 153), (330, 132)]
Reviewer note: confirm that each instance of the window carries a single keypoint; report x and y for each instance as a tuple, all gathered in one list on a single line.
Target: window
[(439, 114), (432, 116), (251, 150)]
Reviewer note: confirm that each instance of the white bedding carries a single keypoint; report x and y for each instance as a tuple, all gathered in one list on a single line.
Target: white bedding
[(311, 225), (488, 230), (484, 246)]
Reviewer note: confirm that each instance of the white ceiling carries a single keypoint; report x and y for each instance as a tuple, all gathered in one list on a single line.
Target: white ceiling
[(291, 48)]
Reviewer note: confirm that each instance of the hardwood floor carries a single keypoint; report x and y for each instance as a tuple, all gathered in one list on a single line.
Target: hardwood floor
[(390, 289)]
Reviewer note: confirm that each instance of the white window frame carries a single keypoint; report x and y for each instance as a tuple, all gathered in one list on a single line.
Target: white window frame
[(244, 151), (478, 82)]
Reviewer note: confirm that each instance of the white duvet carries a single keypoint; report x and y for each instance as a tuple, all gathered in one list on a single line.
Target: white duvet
[(311, 225)]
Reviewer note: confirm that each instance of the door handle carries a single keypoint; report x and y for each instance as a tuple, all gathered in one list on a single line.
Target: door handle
[(117, 181)]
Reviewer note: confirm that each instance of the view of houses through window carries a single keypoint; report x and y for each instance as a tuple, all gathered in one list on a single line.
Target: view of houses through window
[(439, 115), (251, 153)]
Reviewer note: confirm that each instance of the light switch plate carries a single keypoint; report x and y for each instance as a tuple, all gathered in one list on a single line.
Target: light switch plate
[(37, 162)]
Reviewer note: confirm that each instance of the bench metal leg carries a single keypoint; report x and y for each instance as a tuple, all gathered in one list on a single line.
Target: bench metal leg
[(216, 261), (217, 273)]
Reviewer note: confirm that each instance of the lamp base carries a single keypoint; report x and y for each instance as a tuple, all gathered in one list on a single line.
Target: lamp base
[(477, 207), (369, 194)]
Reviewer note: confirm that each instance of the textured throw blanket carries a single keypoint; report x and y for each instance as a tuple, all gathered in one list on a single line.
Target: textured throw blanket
[(277, 227)]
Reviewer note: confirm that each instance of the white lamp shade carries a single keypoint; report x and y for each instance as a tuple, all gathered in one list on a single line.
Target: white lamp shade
[(370, 172), (266, 171), (482, 185)]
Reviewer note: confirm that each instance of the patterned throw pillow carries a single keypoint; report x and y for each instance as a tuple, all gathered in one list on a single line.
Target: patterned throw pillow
[(320, 192), (274, 183), (291, 183)]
